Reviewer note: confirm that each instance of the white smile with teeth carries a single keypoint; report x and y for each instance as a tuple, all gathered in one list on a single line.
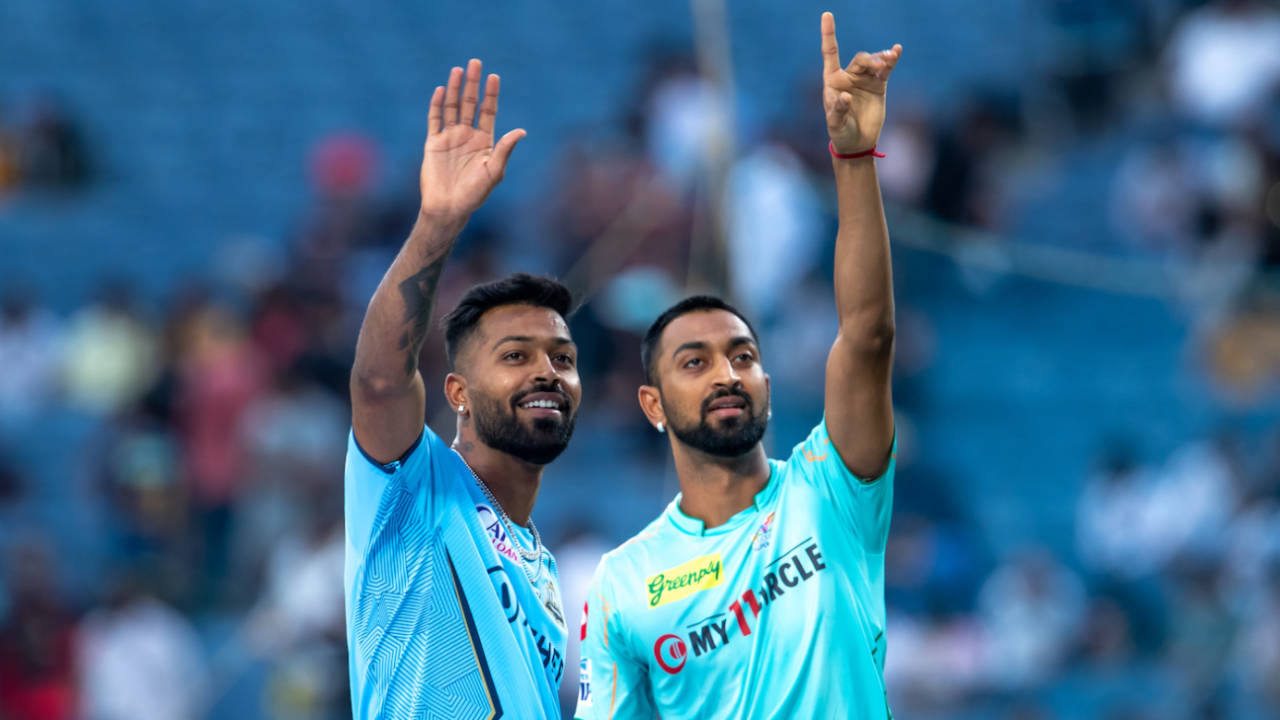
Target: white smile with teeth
[(551, 405)]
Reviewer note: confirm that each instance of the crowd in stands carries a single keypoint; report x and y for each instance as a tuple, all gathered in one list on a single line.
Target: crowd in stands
[(216, 422)]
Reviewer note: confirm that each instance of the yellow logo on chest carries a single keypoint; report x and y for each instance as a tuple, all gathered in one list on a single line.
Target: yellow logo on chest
[(684, 580)]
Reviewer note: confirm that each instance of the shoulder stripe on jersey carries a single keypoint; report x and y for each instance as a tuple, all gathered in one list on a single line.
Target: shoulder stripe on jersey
[(476, 648), (637, 538), (391, 467)]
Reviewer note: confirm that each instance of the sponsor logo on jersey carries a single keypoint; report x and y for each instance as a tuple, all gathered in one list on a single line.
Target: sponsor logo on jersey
[(584, 683), (760, 541), (552, 662), (582, 631), (670, 652), (684, 580), (497, 533), (791, 568)]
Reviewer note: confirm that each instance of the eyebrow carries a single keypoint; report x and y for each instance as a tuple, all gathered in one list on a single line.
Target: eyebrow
[(701, 345), (528, 338)]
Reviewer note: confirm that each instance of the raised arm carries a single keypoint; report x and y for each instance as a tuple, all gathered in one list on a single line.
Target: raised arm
[(460, 167), (859, 405)]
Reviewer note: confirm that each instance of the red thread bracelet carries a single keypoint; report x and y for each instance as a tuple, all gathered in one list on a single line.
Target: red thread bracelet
[(850, 156)]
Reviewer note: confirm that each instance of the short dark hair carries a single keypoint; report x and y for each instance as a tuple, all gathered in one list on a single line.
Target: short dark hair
[(690, 304), (515, 289)]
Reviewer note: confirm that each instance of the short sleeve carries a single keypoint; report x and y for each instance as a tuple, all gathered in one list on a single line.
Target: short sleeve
[(866, 503), (612, 685), (367, 482)]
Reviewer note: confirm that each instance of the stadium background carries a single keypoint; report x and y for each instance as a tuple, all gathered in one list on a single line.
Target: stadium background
[(197, 197)]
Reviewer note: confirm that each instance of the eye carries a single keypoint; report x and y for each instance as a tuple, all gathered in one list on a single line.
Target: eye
[(692, 362), (565, 359), (745, 357), (514, 356)]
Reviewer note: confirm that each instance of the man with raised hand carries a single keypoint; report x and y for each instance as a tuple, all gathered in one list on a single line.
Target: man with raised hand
[(759, 592), (453, 605)]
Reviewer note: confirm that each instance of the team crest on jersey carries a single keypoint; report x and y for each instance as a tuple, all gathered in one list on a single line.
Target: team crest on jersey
[(683, 580), (584, 683), (764, 534), (550, 598), (497, 532)]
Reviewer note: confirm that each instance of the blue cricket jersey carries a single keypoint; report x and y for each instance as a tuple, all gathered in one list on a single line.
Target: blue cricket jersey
[(442, 622), (778, 613)]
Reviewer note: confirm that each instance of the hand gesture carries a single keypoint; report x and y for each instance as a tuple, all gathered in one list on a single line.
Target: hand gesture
[(460, 163), (853, 96)]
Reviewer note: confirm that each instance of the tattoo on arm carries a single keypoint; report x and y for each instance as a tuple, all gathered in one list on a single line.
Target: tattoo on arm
[(419, 293)]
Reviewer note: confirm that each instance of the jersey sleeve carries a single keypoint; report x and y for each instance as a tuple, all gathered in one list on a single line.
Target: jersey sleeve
[(367, 483), (613, 684), (866, 502)]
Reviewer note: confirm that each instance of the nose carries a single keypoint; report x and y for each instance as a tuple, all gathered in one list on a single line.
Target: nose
[(726, 374), (546, 370)]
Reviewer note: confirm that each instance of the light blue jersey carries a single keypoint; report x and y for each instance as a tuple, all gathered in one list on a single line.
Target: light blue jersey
[(442, 622), (778, 613)]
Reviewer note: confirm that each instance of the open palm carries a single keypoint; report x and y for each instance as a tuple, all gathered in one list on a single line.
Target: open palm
[(460, 162), (853, 96)]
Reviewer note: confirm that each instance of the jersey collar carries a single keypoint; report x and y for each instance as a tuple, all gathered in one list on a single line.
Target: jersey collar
[(694, 526)]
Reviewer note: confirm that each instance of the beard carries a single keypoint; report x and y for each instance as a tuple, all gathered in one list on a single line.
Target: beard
[(498, 427), (733, 438)]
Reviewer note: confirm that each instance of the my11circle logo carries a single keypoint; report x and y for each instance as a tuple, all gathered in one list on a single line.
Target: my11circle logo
[(670, 652)]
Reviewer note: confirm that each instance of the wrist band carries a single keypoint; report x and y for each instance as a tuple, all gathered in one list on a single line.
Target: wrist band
[(849, 156)]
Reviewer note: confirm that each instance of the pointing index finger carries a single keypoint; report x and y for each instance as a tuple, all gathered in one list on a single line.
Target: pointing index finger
[(830, 51)]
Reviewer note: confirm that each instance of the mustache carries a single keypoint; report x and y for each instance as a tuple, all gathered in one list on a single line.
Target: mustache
[(727, 392), (552, 387)]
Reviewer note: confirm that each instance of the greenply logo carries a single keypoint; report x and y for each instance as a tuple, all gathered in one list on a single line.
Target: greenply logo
[(684, 580)]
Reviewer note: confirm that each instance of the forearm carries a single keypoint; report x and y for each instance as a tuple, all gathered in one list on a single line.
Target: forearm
[(863, 272), (399, 314)]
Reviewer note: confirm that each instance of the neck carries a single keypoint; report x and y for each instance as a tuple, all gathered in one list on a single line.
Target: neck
[(513, 482), (714, 489)]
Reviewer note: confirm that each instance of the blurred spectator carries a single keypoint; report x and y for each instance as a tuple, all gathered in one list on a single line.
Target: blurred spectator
[(1257, 654), (965, 187), (137, 466), (1222, 60), (1090, 44), (37, 671), (11, 488), (1106, 639), (54, 156), (1115, 533), (1153, 198), (775, 228), (111, 353), (30, 351), (612, 209), (935, 662), (1195, 497), (908, 144), (215, 437), (1031, 609), (688, 121), (1132, 521), (139, 659), (10, 153), (1200, 642), (298, 623), (1243, 351), (219, 375)]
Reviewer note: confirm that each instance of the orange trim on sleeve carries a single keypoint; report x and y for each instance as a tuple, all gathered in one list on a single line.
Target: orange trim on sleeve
[(808, 454)]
